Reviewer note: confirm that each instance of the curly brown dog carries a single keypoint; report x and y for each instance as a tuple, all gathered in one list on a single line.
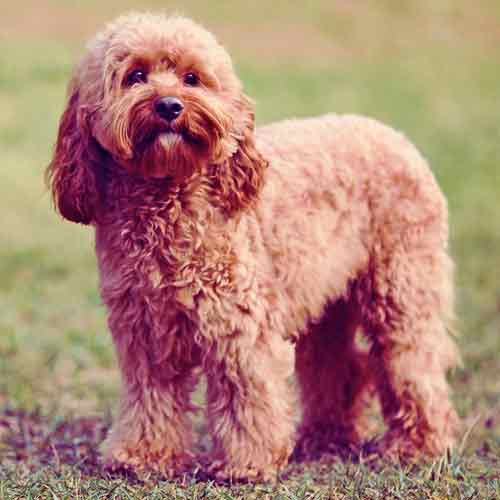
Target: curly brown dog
[(247, 254)]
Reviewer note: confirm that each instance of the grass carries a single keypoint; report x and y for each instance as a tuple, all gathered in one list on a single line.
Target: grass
[(428, 68)]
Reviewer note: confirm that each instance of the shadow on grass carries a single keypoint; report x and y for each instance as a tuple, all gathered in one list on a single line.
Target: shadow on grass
[(32, 441), (37, 441)]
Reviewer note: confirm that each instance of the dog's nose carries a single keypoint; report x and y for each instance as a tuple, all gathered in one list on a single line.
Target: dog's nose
[(169, 108)]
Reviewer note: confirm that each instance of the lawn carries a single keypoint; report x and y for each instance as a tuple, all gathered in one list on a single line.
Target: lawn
[(429, 68)]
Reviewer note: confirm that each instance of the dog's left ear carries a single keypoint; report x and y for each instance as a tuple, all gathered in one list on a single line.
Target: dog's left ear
[(239, 178)]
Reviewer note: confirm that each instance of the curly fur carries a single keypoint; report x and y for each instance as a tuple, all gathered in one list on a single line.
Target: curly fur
[(250, 254)]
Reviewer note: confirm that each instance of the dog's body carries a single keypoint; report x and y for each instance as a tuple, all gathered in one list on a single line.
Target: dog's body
[(248, 255)]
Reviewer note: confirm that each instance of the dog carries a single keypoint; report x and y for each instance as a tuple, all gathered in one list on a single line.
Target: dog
[(249, 255)]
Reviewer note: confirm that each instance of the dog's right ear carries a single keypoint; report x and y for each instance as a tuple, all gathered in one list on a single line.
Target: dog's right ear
[(71, 175)]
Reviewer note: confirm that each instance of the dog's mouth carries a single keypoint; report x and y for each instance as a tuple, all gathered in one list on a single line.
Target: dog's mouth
[(164, 136), (170, 139)]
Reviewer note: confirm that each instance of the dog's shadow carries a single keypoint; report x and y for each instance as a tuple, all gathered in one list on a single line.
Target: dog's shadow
[(35, 441)]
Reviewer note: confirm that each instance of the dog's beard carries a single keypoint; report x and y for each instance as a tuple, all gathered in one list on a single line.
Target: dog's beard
[(146, 145), (161, 151)]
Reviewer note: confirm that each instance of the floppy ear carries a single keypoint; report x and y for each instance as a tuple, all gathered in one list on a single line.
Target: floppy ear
[(238, 179), (71, 174)]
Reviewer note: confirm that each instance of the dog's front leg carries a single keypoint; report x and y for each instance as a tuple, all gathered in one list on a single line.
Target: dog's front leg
[(152, 430), (250, 404)]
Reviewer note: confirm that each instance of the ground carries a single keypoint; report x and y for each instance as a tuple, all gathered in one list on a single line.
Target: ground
[(429, 68)]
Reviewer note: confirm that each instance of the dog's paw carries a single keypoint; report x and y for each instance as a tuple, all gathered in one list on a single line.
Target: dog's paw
[(226, 472), (397, 447), (317, 441), (122, 462), (165, 464)]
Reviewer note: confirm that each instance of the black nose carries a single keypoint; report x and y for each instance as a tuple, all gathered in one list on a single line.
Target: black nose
[(169, 108)]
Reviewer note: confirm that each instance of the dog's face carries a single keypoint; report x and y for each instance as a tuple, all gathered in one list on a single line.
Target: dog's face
[(158, 95), (168, 95)]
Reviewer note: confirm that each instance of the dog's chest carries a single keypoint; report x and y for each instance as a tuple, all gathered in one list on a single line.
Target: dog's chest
[(169, 260)]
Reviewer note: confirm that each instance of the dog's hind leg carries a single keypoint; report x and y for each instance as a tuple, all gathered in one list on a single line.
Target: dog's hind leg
[(407, 307), (333, 376)]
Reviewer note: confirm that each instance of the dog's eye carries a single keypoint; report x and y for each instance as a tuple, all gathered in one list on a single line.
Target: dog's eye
[(136, 76), (191, 79)]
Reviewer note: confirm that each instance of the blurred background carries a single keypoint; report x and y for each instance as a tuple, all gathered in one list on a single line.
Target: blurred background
[(430, 68)]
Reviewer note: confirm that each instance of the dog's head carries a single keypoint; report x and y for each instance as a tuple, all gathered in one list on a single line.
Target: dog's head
[(157, 96)]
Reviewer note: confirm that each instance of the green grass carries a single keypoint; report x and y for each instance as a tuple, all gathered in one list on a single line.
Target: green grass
[(428, 68)]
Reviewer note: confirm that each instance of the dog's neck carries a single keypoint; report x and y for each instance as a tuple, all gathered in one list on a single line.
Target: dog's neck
[(128, 196)]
